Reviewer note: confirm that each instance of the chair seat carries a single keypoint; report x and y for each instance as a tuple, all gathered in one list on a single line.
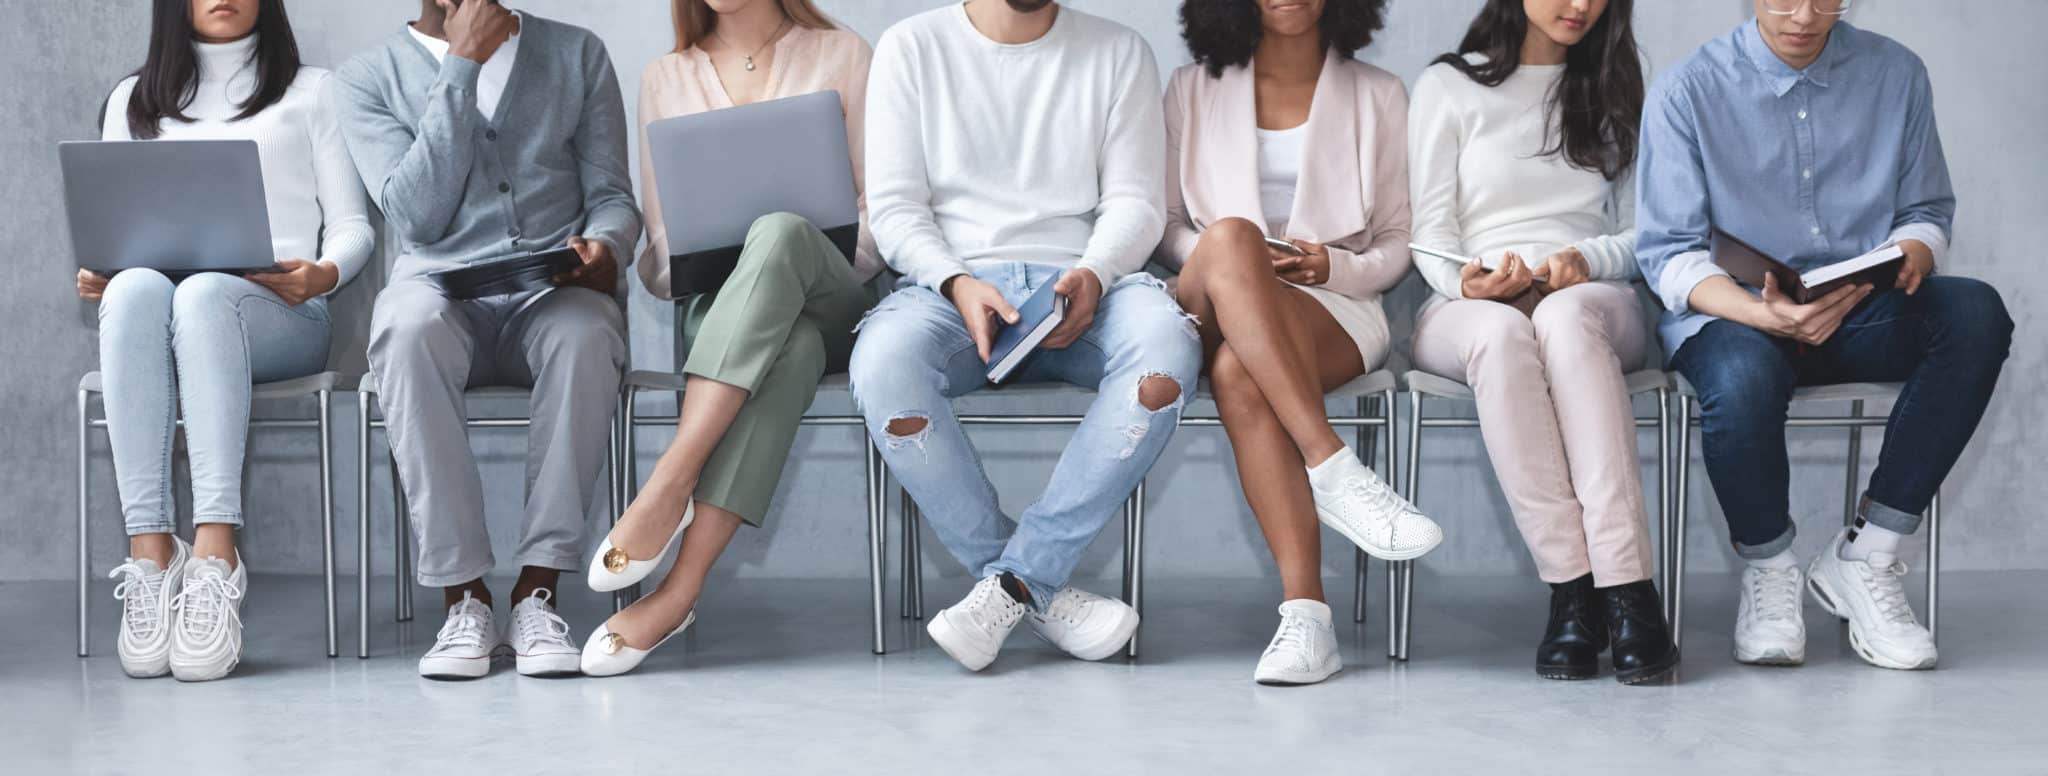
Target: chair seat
[(283, 389), (1642, 381), (1837, 392)]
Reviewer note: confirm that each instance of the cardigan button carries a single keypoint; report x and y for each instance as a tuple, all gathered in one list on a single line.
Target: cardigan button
[(491, 135), (504, 188)]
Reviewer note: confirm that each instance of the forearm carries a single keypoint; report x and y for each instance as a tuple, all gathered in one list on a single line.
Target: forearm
[(1720, 296), (418, 178)]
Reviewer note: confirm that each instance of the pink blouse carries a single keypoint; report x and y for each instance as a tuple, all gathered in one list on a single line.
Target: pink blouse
[(806, 61)]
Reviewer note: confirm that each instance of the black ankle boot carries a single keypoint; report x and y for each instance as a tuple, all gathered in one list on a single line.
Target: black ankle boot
[(1642, 640), (1576, 634)]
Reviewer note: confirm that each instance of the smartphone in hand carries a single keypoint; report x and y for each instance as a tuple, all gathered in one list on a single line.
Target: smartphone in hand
[(1285, 247)]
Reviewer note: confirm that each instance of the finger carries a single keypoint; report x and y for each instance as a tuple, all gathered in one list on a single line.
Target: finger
[(1002, 307), (979, 330), (1472, 269), (1913, 283), (1285, 263)]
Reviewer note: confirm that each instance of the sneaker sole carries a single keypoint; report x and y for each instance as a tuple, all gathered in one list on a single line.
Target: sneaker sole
[(1374, 550), (1771, 657), (1825, 597), (1295, 680), (454, 668), (549, 665), (956, 645), (204, 673), (1102, 648)]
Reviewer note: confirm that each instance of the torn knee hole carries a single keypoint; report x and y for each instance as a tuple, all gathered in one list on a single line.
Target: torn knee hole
[(908, 426), (1158, 392)]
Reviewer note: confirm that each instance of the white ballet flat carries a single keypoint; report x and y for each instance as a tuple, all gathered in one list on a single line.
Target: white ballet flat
[(611, 570), (605, 653)]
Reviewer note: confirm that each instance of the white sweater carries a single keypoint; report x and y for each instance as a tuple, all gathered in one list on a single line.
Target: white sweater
[(1052, 151), (309, 182), (1482, 186)]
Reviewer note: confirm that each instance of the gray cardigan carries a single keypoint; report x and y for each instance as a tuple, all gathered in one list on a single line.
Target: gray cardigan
[(457, 187)]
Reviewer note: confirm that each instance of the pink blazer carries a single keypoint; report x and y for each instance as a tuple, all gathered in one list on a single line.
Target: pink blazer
[(1353, 192)]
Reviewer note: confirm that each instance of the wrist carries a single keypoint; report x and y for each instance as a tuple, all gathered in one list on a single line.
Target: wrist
[(946, 286)]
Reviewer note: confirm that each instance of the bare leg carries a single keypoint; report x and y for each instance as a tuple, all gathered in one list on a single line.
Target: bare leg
[(476, 588), (158, 547), (214, 540), (708, 410), (533, 578), (653, 616), (1230, 285)]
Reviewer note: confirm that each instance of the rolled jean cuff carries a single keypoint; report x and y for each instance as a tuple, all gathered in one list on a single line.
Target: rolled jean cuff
[(1770, 548), (1897, 520), (1041, 596), (451, 580), (218, 519), (570, 561), (162, 526)]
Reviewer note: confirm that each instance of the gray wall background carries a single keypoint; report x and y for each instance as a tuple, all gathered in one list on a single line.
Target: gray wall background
[(57, 61)]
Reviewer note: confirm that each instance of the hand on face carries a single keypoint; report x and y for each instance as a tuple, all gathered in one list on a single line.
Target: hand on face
[(476, 28)]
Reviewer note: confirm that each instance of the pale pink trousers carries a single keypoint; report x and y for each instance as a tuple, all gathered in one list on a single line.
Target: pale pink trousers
[(1556, 417)]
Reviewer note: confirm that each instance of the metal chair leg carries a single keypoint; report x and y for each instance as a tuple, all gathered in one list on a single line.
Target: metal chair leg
[(1934, 567), (1855, 466), (917, 565), (84, 513), (1367, 408), (878, 478), (401, 547), (1681, 499), (625, 473), (905, 579), (327, 514), (1401, 575), (1136, 541), (362, 525), (1664, 498)]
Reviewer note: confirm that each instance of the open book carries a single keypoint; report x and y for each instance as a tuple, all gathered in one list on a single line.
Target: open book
[(1878, 268)]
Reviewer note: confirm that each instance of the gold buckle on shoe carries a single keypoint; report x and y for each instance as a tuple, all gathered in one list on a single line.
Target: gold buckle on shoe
[(615, 560), (613, 643)]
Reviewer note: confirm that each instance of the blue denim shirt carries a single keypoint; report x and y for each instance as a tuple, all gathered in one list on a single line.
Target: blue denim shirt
[(1811, 166)]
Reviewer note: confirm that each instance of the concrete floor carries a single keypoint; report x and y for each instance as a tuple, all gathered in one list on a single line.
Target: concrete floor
[(776, 678)]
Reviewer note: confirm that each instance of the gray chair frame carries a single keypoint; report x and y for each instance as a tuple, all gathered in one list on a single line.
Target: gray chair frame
[(1423, 385), (1855, 422), (367, 420), (320, 386)]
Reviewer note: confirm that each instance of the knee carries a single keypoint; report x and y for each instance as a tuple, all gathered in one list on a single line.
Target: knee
[(884, 373), (1974, 317), (1567, 323), (1497, 329), (769, 238), (206, 296), (1157, 392), (1232, 383), (402, 329), (137, 294), (1746, 393), (777, 226), (1230, 246)]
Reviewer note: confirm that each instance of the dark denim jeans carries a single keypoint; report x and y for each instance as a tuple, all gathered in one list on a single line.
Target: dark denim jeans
[(1946, 343)]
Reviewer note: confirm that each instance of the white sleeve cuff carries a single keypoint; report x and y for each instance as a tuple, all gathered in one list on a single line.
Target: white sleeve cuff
[(1681, 275), (1935, 239)]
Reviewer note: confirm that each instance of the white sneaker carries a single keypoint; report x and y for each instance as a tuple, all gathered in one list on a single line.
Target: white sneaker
[(206, 620), (1370, 514), (145, 593), (1304, 650), (1871, 595), (462, 650), (1086, 625), (1770, 629), (540, 639), (973, 630)]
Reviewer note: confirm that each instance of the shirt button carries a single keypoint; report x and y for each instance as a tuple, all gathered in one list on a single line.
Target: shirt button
[(504, 188), (1802, 115), (1807, 173), (492, 134), (1815, 230)]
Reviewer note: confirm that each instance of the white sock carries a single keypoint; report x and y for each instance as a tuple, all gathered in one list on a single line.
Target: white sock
[(1330, 473), (1785, 559), (1867, 539)]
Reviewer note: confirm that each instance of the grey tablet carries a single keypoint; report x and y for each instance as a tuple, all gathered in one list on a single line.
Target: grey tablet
[(719, 171), (176, 206)]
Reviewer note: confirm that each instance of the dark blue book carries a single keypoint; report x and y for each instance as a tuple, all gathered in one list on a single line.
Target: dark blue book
[(1036, 318)]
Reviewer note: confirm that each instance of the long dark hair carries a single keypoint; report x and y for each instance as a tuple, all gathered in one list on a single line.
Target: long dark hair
[(1223, 34), (1597, 107), (169, 78)]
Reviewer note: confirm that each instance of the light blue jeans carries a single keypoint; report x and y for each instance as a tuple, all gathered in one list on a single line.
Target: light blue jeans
[(914, 356), (204, 341)]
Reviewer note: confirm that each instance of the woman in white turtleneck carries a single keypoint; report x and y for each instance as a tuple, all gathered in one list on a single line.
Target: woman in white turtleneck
[(217, 70)]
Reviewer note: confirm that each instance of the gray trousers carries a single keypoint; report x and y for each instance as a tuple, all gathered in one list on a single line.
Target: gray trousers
[(567, 345)]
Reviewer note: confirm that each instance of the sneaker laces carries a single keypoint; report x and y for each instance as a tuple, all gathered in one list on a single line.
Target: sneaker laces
[(541, 624), (983, 606), (206, 604), (138, 592), (1069, 607), (1888, 592), (464, 628), (1295, 634), (1774, 594), (1381, 499)]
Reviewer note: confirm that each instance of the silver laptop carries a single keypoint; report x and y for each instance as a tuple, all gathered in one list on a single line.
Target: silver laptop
[(719, 171), (176, 206)]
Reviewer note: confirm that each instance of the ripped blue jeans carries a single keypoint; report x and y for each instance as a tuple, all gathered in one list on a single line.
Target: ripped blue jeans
[(914, 356)]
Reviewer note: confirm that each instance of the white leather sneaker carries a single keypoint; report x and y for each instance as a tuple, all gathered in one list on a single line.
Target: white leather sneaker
[(462, 650), (606, 653), (611, 569), (1362, 508), (206, 620), (145, 592), (1770, 629), (540, 639), (1086, 625), (1304, 650), (974, 630), (1871, 595)]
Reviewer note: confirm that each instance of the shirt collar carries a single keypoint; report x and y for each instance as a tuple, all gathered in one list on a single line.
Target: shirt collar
[(1782, 77)]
